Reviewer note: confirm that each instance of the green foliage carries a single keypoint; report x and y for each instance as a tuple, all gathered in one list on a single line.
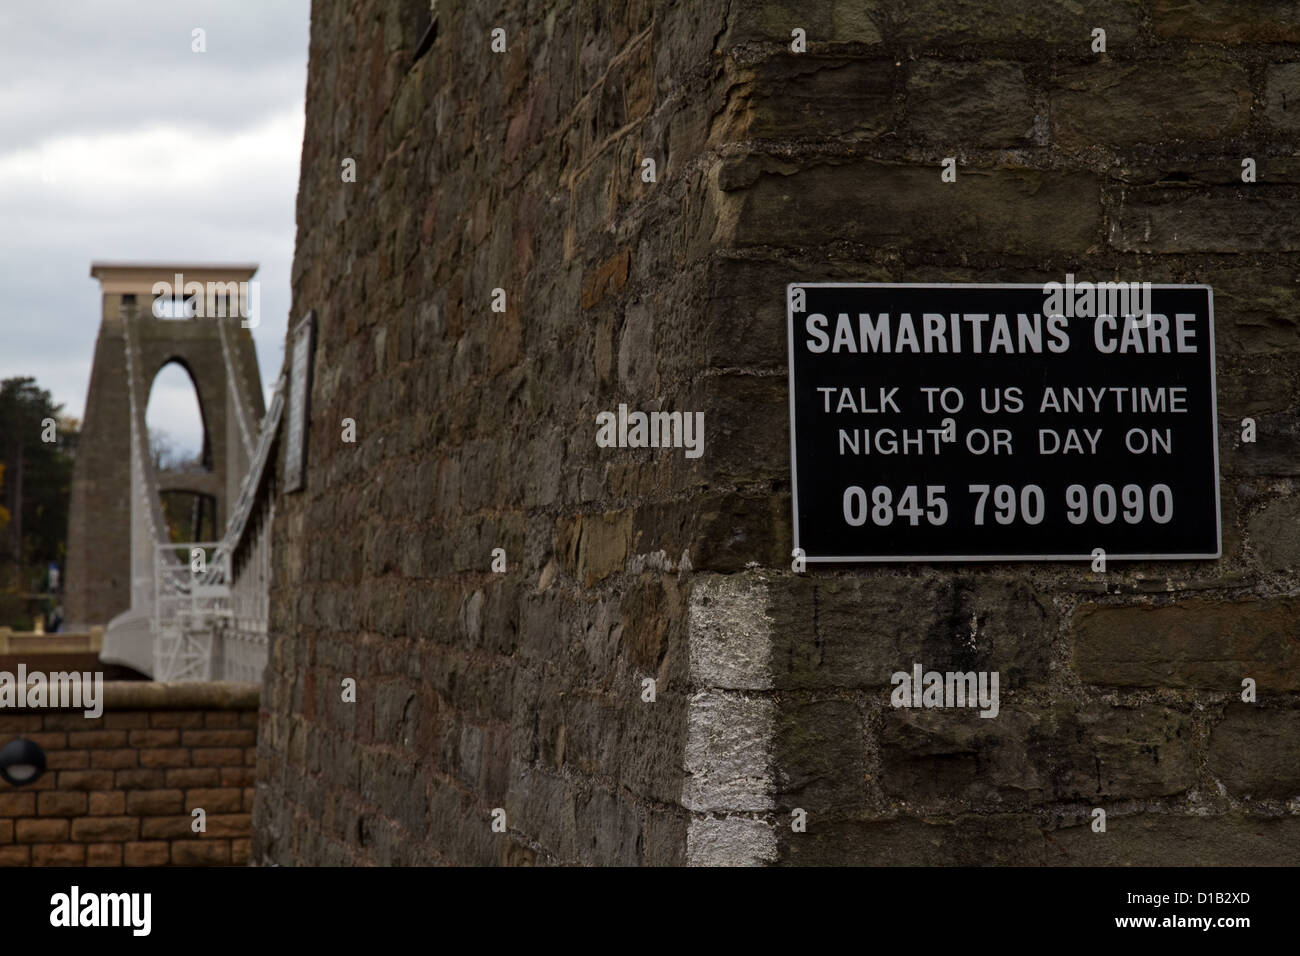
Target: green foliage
[(38, 486)]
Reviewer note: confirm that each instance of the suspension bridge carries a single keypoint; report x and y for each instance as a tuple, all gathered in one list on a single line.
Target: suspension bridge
[(173, 610)]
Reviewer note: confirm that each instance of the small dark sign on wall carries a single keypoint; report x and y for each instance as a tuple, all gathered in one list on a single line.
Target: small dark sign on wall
[(298, 412), (1003, 422)]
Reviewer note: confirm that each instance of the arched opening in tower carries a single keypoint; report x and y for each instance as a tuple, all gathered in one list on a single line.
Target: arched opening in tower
[(181, 453)]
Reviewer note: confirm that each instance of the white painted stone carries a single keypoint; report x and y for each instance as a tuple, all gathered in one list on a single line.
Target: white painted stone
[(731, 633), (729, 782), (730, 841), (728, 752)]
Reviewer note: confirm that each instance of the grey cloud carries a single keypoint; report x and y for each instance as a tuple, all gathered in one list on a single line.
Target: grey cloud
[(90, 81)]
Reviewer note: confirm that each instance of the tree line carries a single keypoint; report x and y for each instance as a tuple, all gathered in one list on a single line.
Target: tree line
[(37, 448)]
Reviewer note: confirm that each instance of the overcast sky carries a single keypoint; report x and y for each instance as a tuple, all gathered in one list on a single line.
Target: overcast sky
[(118, 142)]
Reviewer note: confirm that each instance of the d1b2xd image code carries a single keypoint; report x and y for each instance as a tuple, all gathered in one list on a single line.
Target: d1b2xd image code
[(1002, 422)]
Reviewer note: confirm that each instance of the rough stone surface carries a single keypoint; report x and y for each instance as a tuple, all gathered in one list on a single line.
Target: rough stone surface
[(1255, 752), (1025, 757), (1227, 220), (854, 632), (1197, 643), (479, 691), (1126, 105), (979, 104), (814, 96), (1013, 211), (1022, 840), (523, 691), (1032, 22), (1277, 552), (1282, 90), (1228, 21)]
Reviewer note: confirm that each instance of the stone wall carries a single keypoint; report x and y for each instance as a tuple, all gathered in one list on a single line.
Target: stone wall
[(479, 690), (101, 488), (1120, 691), (523, 690), (120, 789)]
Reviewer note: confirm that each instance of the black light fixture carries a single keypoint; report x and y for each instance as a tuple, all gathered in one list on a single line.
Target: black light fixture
[(21, 762)]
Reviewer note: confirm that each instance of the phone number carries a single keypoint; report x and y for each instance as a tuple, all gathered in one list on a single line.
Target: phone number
[(1007, 504)]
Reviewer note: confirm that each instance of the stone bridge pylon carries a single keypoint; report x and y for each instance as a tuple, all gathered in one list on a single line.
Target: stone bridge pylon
[(115, 524)]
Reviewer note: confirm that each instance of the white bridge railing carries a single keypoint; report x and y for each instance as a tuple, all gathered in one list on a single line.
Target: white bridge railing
[(190, 608), (201, 605), (211, 599)]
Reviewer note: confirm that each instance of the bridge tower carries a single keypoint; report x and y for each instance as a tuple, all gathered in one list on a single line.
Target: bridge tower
[(115, 509)]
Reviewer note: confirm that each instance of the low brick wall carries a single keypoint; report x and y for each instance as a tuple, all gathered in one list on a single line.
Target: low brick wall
[(23, 643), (120, 789)]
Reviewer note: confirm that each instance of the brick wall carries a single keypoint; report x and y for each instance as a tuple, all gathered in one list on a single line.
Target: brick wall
[(522, 690), (119, 789)]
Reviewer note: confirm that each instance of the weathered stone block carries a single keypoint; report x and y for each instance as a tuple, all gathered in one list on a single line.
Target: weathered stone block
[(684, 37), (1249, 219), (930, 757), (940, 840), (1034, 21), (730, 632), (727, 840), (1013, 211), (733, 531), (1277, 551), (857, 632), (651, 610), (1198, 643), (768, 22), (1255, 310), (819, 754), (1021, 758), (728, 757), (969, 104), (1275, 451), (1145, 102), (1263, 385), (1282, 93), (1096, 751), (594, 546), (1151, 839), (1255, 751), (1227, 21), (805, 96)]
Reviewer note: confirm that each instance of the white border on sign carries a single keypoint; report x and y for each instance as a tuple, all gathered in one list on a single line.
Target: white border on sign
[(934, 558), (295, 460)]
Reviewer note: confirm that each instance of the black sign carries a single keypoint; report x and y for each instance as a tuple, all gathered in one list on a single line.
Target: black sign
[(1003, 422)]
